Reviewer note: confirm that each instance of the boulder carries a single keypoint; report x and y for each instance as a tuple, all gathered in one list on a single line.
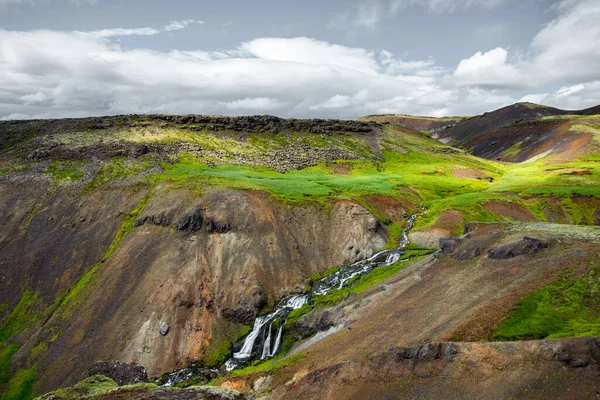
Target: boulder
[(527, 246), (123, 374)]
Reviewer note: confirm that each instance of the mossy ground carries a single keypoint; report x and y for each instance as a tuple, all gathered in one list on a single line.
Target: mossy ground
[(568, 307)]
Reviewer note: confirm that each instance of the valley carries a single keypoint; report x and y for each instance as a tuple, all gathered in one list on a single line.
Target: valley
[(158, 240)]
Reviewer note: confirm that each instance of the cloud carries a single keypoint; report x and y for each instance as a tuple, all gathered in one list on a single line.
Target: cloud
[(146, 31), (178, 25), (367, 14), (490, 69), (107, 33), (56, 74)]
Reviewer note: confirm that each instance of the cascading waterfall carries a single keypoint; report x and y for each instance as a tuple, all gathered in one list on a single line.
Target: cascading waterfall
[(265, 338), (259, 343)]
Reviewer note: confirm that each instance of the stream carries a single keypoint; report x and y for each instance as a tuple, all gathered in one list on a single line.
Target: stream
[(264, 341), (265, 338)]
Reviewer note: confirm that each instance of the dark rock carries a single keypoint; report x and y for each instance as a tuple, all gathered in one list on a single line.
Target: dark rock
[(198, 375), (248, 308), (597, 217), (430, 351), (469, 253), (217, 227), (158, 220), (123, 374), (406, 353), (449, 245), (527, 246), (190, 222), (427, 352)]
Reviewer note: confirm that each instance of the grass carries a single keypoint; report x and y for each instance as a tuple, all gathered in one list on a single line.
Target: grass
[(20, 386), (270, 366), (119, 169), (568, 307), (6, 353), (93, 386), (66, 170), (221, 345), (24, 314)]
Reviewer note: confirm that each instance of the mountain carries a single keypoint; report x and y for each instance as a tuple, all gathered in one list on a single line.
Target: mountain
[(172, 241), (524, 131)]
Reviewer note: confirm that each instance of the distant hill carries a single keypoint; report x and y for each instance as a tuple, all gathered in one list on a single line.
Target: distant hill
[(425, 124), (516, 133)]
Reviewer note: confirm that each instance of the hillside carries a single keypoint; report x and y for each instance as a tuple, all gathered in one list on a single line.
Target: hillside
[(526, 131), (158, 239)]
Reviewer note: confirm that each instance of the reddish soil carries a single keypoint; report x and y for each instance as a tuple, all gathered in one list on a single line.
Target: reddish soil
[(510, 211), (469, 173), (389, 207)]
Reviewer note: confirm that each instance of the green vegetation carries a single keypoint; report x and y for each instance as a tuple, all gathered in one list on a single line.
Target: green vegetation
[(19, 387), (66, 170), (119, 169), (93, 386), (268, 366), (221, 345), (24, 314), (567, 307), (6, 353)]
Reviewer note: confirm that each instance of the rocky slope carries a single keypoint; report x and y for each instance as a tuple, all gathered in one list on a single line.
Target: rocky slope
[(156, 240), (412, 336)]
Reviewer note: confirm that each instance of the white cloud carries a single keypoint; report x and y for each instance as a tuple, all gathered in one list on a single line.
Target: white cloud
[(367, 14), (311, 52), (51, 74), (178, 25), (107, 33), (490, 69)]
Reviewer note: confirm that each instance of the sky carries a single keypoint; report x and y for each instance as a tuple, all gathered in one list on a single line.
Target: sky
[(304, 59)]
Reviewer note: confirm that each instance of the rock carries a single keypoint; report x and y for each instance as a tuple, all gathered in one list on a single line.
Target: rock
[(163, 328), (123, 374), (195, 374), (449, 245), (469, 253), (248, 308), (262, 384), (527, 246), (190, 222)]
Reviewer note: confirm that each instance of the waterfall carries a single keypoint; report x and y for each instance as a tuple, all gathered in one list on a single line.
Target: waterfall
[(257, 345), (253, 349)]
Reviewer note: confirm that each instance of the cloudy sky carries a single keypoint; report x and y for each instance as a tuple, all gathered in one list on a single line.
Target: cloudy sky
[(310, 58)]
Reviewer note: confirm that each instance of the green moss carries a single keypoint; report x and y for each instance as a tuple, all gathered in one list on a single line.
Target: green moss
[(269, 366), (93, 386), (323, 274), (6, 353), (119, 169), (221, 345), (20, 386), (297, 313), (66, 170), (567, 307), (26, 312)]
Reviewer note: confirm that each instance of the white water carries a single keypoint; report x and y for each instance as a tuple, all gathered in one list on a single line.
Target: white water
[(259, 343)]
